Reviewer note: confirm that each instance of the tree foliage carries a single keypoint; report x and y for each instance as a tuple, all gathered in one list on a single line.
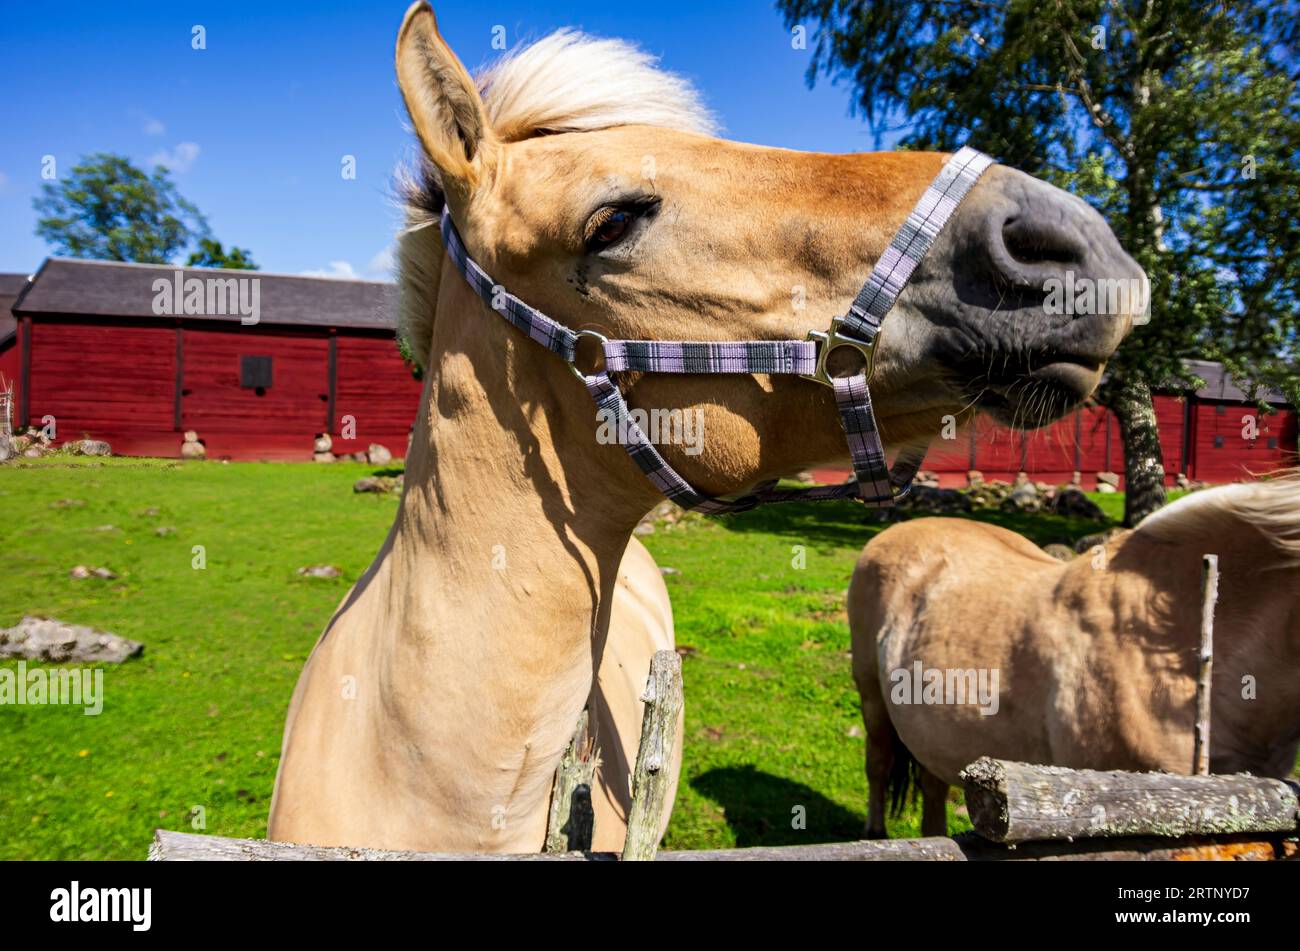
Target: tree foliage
[(111, 210), (212, 254)]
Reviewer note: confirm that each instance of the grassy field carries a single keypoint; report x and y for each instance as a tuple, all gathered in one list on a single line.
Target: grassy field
[(771, 715)]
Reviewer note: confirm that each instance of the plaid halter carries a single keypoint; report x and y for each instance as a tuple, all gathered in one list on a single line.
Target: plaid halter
[(874, 483)]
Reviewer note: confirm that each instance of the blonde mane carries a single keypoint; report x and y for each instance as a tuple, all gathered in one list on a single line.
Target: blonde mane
[(1272, 506), (564, 82)]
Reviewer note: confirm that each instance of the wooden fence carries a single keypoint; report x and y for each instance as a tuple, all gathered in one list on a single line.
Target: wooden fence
[(1021, 812)]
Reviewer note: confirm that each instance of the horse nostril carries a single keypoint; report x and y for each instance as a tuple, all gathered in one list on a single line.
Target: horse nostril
[(1031, 243)]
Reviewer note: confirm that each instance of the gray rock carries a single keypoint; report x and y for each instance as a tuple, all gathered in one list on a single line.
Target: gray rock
[(57, 641), (80, 572), (193, 450), (94, 447), (378, 484), (1073, 503), (1105, 488), (1108, 478), (322, 456), (1060, 552), (378, 455), (319, 571), (323, 443)]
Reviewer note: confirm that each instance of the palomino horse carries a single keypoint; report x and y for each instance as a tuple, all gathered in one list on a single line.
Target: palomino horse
[(1095, 659), (440, 698)]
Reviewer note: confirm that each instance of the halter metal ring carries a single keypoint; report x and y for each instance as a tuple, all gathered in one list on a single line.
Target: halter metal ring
[(573, 363), (832, 340)]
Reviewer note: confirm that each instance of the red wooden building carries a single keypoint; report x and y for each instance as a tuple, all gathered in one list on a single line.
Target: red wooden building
[(1213, 434), (99, 347), (138, 354)]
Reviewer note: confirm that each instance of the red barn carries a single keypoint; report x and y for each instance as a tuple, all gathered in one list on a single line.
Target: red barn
[(11, 285), (1215, 434), (257, 364)]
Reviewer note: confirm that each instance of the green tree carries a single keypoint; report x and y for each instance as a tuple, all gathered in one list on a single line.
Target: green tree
[(212, 254), (111, 210), (1179, 120)]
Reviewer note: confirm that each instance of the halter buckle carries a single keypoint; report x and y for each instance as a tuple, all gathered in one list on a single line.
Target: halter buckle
[(832, 340), (573, 363)]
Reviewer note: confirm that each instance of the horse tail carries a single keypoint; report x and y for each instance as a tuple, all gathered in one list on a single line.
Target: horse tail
[(904, 776)]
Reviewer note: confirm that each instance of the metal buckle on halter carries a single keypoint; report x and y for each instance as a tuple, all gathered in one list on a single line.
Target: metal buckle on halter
[(831, 340), (573, 361)]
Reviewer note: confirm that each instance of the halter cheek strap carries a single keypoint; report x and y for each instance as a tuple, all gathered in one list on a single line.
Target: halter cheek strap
[(874, 483)]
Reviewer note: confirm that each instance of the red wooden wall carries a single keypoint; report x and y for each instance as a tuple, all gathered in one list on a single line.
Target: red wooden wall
[(276, 423), (117, 382), (111, 382), (377, 390), (11, 369), (1050, 454)]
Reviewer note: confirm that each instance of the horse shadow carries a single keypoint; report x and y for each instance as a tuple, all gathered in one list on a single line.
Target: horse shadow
[(762, 809)]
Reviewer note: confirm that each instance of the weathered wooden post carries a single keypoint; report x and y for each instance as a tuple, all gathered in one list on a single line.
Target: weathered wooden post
[(1021, 802), (1205, 664), (571, 822), (663, 700)]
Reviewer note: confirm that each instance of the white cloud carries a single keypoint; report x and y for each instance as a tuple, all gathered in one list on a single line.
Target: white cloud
[(341, 270), (382, 264), (378, 268), (148, 124), (179, 159)]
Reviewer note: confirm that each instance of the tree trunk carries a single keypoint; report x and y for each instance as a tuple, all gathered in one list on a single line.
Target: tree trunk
[(1144, 467)]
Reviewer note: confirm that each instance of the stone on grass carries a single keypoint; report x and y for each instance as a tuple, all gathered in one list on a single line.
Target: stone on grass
[(94, 447), (1108, 478), (322, 457), (1072, 502), (378, 455), (193, 450), (378, 484), (323, 443), (80, 572), (319, 571), (56, 641)]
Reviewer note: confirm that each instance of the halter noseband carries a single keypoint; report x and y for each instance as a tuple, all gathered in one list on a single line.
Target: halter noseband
[(859, 329)]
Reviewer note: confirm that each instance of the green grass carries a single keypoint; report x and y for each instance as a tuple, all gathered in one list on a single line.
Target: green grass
[(771, 721)]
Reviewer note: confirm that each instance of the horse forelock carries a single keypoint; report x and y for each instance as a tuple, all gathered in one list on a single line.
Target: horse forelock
[(1270, 506), (565, 82)]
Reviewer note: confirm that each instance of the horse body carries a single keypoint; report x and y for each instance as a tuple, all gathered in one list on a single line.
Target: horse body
[(1096, 658), (436, 706)]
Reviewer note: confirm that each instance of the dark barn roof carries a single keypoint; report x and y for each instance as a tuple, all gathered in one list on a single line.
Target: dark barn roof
[(11, 285), (116, 290), (1220, 386)]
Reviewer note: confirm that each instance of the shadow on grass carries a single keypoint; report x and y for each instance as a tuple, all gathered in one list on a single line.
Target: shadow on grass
[(851, 525), (761, 808)]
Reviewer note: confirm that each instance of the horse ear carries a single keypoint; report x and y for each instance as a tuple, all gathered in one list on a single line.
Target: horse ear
[(443, 102)]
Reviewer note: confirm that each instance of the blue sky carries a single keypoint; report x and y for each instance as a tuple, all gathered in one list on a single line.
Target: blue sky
[(255, 126)]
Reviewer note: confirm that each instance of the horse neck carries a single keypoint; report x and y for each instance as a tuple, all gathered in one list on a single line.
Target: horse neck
[(494, 594)]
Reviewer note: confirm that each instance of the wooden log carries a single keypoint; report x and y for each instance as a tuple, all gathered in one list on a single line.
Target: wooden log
[(571, 822), (186, 847), (1018, 802), (967, 847), (650, 777), (1205, 664)]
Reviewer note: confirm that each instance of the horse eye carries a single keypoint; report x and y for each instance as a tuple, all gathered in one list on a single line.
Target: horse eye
[(609, 228)]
